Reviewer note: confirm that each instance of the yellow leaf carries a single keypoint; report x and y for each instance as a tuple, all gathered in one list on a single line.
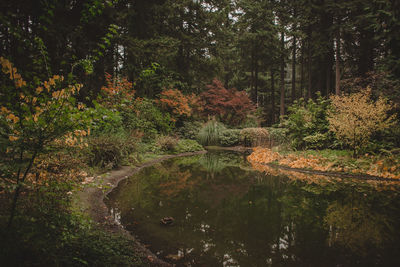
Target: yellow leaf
[(13, 138)]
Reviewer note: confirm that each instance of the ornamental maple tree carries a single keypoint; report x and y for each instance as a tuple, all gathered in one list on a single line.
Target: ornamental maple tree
[(355, 117), (175, 102), (229, 105)]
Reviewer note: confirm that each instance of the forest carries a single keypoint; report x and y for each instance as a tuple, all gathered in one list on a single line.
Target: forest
[(90, 86)]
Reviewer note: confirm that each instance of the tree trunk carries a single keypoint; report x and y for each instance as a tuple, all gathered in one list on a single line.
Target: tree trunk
[(294, 70), (302, 94), (309, 62), (272, 96), (282, 100), (337, 81), (256, 82)]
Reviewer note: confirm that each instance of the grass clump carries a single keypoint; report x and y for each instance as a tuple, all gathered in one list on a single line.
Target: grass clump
[(209, 134)]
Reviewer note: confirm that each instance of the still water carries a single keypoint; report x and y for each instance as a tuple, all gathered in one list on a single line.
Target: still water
[(228, 214)]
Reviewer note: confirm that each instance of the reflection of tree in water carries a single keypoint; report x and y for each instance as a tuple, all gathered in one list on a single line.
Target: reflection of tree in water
[(252, 219), (356, 226), (215, 162)]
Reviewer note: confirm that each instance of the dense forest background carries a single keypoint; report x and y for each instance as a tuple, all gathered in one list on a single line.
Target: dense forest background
[(277, 51)]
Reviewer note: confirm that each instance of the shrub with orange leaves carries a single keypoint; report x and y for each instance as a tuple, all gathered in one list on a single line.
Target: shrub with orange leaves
[(30, 120), (175, 102), (117, 91)]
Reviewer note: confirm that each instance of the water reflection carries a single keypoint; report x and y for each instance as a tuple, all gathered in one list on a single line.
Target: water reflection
[(228, 215)]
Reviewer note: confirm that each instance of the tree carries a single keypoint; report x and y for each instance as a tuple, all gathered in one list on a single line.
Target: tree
[(355, 117), (175, 102), (229, 105), (30, 119)]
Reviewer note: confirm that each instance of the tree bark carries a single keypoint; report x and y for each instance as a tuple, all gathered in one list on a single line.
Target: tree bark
[(294, 70), (337, 81), (272, 96), (302, 94), (309, 62), (282, 74)]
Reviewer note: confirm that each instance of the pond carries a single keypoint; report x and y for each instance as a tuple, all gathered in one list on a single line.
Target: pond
[(228, 214)]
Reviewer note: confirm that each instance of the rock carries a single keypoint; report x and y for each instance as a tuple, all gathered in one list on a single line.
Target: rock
[(167, 221)]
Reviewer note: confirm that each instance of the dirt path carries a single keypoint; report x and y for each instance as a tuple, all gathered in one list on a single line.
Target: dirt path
[(90, 201)]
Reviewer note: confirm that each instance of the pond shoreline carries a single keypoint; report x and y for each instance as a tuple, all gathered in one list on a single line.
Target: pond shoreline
[(330, 173), (91, 202)]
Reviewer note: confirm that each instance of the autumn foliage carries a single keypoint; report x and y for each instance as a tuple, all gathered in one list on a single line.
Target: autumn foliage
[(175, 102), (32, 120), (229, 105), (376, 167), (355, 117), (117, 90)]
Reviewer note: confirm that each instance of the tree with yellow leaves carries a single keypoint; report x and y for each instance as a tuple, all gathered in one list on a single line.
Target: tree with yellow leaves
[(30, 119), (355, 117)]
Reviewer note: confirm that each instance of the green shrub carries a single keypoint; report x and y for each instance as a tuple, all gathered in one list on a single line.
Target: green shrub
[(109, 151), (306, 119), (47, 232), (104, 120), (209, 134), (255, 137), (189, 130), (316, 141), (187, 145), (147, 118), (166, 143), (279, 136), (229, 137)]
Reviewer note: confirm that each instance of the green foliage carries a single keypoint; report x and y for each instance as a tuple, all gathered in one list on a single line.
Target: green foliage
[(316, 141), (255, 137), (229, 137), (187, 145), (166, 143), (189, 130), (146, 117), (47, 233), (307, 124), (209, 134), (109, 150), (279, 136), (104, 120)]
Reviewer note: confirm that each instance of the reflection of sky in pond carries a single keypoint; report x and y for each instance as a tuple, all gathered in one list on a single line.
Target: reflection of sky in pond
[(227, 214)]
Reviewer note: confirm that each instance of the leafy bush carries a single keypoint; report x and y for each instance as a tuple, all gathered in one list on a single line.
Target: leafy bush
[(189, 130), (47, 233), (279, 136), (228, 105), (166, 143), (104, 120), (354, 118), (209, 134), (315, 141), (147, 118), (254, 137), (229, 137), (308, 119), (109, 151), (187, 145)]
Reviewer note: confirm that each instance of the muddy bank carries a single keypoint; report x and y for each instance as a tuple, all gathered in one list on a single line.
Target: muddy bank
[(90, 201)]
